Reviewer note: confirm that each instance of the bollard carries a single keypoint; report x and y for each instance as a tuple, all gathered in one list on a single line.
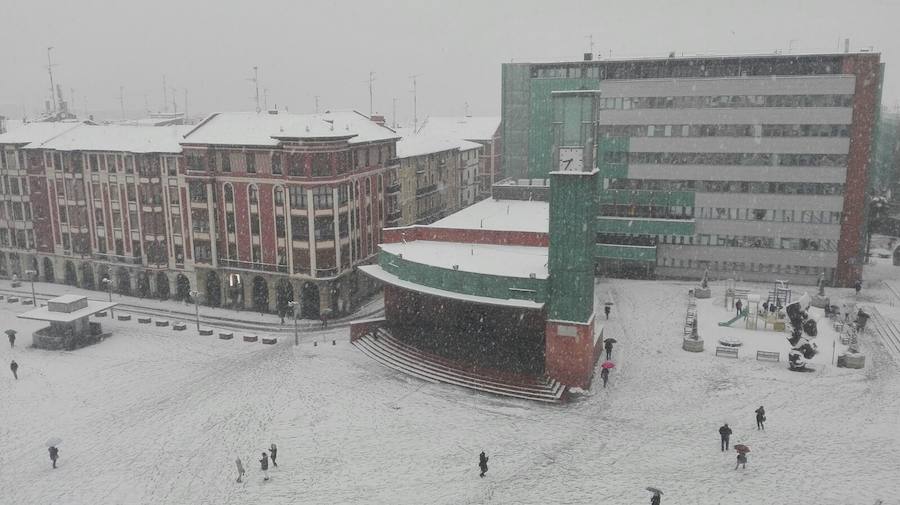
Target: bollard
[(315, 343)]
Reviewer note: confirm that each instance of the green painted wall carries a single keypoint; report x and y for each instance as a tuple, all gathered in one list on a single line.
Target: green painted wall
[(540, 130), (573, 209), (515, 103), (610, 165), (644, 226), (647, 197), (624, 252), (467, 283)]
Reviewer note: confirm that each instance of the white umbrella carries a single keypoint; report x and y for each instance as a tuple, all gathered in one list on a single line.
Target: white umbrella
[(653, 490), (53, 442)]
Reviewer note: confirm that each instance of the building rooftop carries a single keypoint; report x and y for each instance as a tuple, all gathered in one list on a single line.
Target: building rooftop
[(45, 314), (269, 128), (417, 145), (133, 139), (701, 56), (490, 259), (501, 215), (36, 132), (480, 128)]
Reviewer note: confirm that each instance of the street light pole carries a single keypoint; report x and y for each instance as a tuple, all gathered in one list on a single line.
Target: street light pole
[(108, 284), (295, 306), (196, 296), (31, 275)]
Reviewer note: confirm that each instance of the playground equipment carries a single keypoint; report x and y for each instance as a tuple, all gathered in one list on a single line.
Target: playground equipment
[(734, 294), (780, 294), (744, 313)]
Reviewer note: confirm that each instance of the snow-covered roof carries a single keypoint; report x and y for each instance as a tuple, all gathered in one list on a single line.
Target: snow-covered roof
[(502, 215), (132, 139), (44, 313), (13, 124), (491, 259), (417, 145), (36, 132), (389, 278), (265, 129), (480, 128)]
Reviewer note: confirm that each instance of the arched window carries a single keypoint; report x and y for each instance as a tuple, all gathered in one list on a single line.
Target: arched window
[(278, 195), (254, 194), (229, 193)]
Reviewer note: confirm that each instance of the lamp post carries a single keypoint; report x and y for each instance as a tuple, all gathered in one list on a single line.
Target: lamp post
[(31, 275), (196, 296), (106, 281), (295, 306)]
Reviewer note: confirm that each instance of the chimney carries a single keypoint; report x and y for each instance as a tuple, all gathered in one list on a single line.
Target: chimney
[(588, 56), (377, 119)]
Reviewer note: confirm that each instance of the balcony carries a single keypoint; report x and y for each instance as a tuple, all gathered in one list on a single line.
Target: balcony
[(645, 226), (393, 187), (393, 216), (426, 190), (647, 198), (249, 265), (626, 252)]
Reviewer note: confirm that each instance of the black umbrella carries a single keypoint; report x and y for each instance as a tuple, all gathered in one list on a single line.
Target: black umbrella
[(610, 340), (11, 333)]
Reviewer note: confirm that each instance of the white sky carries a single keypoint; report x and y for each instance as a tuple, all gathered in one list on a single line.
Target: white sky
[(327, 48)]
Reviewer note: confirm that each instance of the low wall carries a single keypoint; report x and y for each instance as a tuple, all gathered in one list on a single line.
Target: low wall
[(360, 328)]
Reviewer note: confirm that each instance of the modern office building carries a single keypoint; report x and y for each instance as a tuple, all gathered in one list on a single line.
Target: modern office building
[(754, 167)]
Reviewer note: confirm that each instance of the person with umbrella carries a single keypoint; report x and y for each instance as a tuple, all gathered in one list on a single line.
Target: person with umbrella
[(53, 450), (15, 369), (657, 495), (725, 434), (608, 345), (264, 465), (760, 418), (742, 451), (12, 337), (606, 310), (604, 371), (482, 464)]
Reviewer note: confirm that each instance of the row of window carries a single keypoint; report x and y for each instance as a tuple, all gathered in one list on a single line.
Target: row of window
[(778, 215), (782, 188), (18, 211), (12, 160), (754, 241), (740, 159), (298, 164), (13, 185), (724, 101), (20, 239), (725, 130), (729, 267)]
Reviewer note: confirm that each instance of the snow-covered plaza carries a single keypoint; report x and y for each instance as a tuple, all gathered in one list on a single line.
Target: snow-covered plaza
[(156, 416)]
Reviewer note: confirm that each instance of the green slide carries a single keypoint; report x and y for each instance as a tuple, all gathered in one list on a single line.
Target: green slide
[(744, 313)]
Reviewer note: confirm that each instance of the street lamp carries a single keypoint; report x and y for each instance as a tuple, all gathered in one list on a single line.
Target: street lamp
[(196, 296), (31, 275), (296, 307), (106, 281)]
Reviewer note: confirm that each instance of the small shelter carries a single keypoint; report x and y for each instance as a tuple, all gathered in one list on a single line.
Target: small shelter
[(69, 326)]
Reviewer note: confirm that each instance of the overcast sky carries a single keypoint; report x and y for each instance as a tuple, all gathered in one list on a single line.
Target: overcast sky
[(328, 48)]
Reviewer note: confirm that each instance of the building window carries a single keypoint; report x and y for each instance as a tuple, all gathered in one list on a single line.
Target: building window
[(276, 163), (298, 197), (322, 197), (251, 163), (324, 228), (320, 165), (229, 193), (197, 191), (278, 196), (299, 228), (225, 161), (253, 194)]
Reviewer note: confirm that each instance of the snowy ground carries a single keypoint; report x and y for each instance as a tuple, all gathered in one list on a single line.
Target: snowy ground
[(157, 416)]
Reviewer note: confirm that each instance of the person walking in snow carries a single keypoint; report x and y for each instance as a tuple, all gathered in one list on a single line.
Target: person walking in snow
[(264, 466), (607, 344), (273, 451), (857, 286), (15, 369), (741, 461), (606, 311), (482, 464), (725, 434), (737, 305), (604, 374), (240, 469), (760, 418), (12, 338), (54, 454), (655, 499)]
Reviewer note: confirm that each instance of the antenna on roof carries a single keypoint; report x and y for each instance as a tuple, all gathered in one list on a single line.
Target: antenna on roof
[(395, 114), (50, 66), (415, 103), (122, 100), (317, 104), (371, 93), (255, 80), (165, 95)]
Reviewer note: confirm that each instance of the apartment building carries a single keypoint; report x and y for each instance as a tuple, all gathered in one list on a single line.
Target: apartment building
[(754, 167), (484, 130)]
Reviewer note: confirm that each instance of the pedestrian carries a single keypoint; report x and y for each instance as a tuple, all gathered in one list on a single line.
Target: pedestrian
[(482, 464), (15, 369), (655, 499), (324, 321), (12, 338), (54, 454), (760, 418), (281, 315), (240, 469), (273, 451), (607, 344), (264, 466), (606, 311), (737, 305), (741, 461), (604, 374), (857, 286), (725, 434)]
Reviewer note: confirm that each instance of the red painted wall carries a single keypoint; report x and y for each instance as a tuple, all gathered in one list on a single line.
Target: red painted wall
[(266, 206), (568, 359), (865, 112)]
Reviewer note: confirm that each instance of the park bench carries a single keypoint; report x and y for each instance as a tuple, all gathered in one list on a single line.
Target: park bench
[(727, 352), (768, 356), (162, 323), (144, 320), (124, 317), (248, 338), (205, 332), (270, 341), (179, 326), (226, 336)]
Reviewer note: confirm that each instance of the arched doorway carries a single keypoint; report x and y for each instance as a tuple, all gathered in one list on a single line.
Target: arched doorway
[(48, 270), (123, 281), (182, 288), (70, 277), (260, 294), (162, 286), (236, 291), (143, 285), (213, 290), (87, 276), (284, 295), (309, 297)]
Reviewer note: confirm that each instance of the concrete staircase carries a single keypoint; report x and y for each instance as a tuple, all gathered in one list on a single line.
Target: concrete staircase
[(393, 353)]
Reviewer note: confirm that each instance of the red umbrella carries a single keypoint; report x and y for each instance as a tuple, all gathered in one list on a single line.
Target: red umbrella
[(608, 364), (741, 448)]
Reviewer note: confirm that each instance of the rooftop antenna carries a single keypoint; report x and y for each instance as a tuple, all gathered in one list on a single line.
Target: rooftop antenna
[(266, 98), (174, 101), (255, 80), (395, 113), (590, 42), (122, 100), (165, 95), (317, 104), (415, 102), (466, 107), (146, 104), (50, 66), (72, 100), (371, 82), (185, 105)]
